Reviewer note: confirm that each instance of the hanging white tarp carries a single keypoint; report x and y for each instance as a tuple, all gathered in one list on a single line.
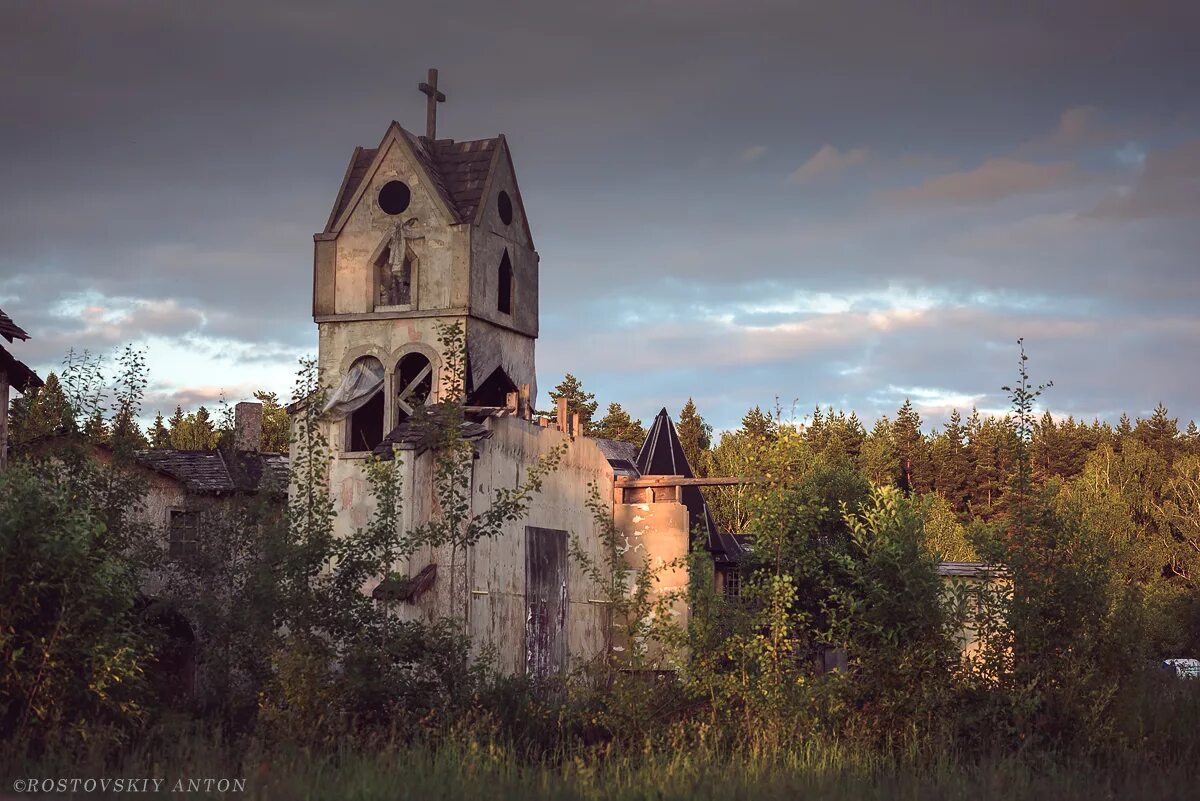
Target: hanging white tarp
[(362, 381)]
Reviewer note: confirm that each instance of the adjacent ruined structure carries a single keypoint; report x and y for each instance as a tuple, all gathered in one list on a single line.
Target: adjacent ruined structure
[(13, 373)]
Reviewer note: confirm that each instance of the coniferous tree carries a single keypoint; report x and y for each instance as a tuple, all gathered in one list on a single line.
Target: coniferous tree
[(41, 412), (127, 432), (1159, 433), (880, 460), (160, 436), (1123, 431), (695, 436), (177, 429), (204, 431), (276, 427), (96, 429), (578, 401), (950, 464), (757, 424), (911, 450), (618, 425), (1191, 439)]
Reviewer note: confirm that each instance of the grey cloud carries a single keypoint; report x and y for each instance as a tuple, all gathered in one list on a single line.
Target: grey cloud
[(164, 153)]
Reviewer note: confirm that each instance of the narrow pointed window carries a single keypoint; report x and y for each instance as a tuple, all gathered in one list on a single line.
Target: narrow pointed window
[(505, 287)]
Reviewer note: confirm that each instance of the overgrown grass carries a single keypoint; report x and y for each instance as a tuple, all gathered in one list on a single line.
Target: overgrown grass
[(487, 771)]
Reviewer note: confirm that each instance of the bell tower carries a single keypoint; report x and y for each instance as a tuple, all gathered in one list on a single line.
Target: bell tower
[(423, 231)]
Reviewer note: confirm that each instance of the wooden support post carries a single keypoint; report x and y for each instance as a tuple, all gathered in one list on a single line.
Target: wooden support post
[(523, 408), (562, 415), (544, 422), (511, 404), (3, 419), (576, 425)]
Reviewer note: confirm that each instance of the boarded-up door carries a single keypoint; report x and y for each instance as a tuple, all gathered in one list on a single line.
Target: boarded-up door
[(545, 601)]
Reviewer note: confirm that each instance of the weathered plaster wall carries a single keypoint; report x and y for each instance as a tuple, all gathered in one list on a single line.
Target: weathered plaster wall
[(497, 567), (488, 242), (491, 591), (442, 249), (656, 538), (389, 340)]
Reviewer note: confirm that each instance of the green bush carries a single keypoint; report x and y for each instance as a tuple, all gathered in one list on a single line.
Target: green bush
[(71, 654)]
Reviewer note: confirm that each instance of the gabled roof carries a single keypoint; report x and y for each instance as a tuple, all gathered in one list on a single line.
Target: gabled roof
[(215, 471), (662, 455), (10, 330), (458, 171)]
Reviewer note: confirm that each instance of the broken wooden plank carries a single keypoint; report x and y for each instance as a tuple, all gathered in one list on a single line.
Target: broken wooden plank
[(681, 481)]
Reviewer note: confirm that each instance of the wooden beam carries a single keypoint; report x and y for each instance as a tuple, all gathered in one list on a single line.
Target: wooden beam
[(680, 481)]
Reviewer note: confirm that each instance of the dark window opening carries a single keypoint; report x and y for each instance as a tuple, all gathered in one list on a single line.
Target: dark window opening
[(504, 292), (494, 390), (394, 197), (733, 582), (393, 280), (184, 533), (504, 206), (366, 425), (414, 384)]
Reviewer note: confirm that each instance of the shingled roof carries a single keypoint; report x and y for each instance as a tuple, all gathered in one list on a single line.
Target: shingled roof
[(420, 437), (458, 170), (10, 330), (19, 374), (217, 472), (621, 456), (662, 455)]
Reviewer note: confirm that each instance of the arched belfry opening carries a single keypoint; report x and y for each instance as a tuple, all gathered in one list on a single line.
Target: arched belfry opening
[(358, 400), (414, 384), (504, 287)]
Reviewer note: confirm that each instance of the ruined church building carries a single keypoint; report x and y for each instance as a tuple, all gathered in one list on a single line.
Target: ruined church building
[(427, 231)]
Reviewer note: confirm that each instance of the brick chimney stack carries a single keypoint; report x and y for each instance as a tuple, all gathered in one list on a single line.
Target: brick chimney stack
[(247, 427)]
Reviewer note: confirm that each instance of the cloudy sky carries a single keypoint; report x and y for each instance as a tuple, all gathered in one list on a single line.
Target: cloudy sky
[(833, 203)]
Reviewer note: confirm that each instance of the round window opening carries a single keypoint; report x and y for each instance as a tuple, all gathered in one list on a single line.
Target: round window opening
[(394, 197), (504, 206)]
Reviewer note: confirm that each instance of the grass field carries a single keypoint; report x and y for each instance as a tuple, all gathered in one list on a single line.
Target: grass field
[(487, 772)]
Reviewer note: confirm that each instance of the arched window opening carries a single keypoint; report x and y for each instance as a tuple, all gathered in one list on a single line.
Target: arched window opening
[(366, 426), (414, 384), (505, 287), (358, 400)]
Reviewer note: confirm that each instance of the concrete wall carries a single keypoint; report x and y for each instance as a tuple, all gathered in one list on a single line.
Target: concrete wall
[(656, 539), (489, 241), (389, 340), (442, 249), (490, 580)]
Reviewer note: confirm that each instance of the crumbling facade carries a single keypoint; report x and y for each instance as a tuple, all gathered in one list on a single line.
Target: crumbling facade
[(424, 233)]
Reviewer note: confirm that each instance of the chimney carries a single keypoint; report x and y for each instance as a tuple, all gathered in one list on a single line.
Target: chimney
[(247, 426)]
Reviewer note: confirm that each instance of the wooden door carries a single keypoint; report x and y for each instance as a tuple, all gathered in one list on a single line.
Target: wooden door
[(545, 601)]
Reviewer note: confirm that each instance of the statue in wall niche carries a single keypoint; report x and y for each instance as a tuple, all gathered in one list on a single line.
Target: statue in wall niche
[(395, 285)]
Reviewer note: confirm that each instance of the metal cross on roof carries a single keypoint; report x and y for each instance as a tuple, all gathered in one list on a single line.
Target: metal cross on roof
[(434, 97)]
